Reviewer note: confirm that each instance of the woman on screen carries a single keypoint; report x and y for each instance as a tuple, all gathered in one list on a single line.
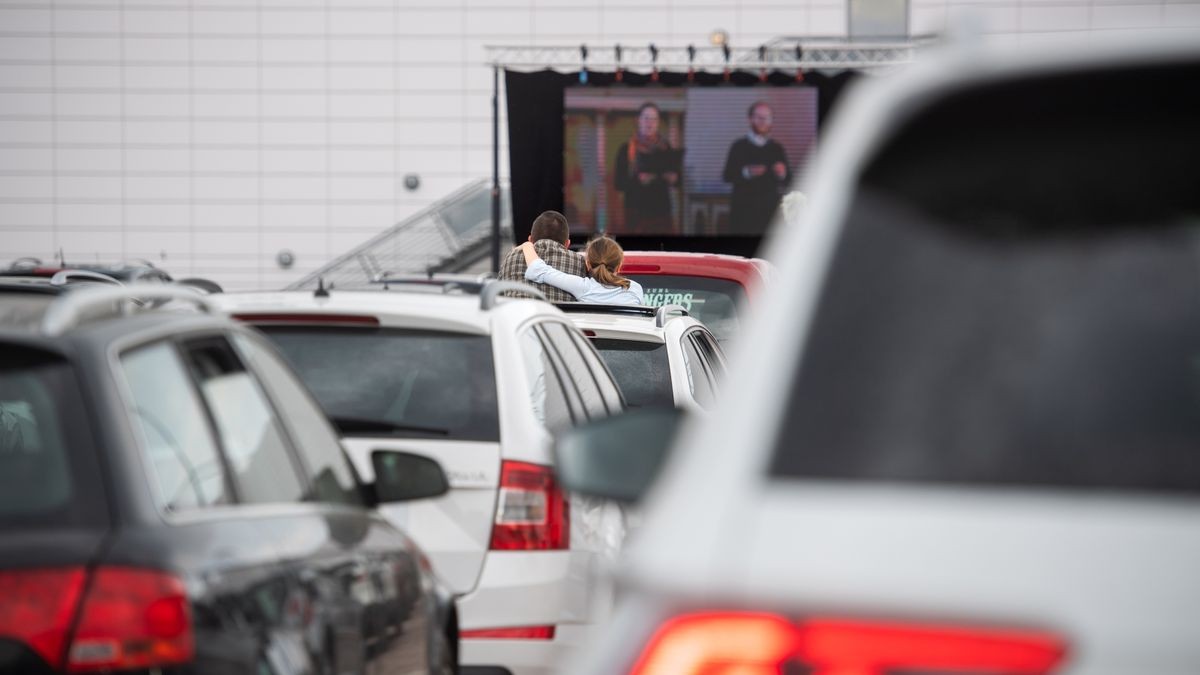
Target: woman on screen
[(604, 283), (647, 167)]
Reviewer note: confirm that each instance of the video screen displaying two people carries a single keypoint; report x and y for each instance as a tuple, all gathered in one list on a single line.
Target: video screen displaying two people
[(691, 161)]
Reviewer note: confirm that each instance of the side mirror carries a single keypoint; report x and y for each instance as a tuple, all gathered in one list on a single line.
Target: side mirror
[(402, 477), (618, 457)]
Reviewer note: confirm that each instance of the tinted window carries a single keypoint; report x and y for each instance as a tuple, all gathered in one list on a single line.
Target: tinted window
[(698, 381), (1042, 331), (711, 352), (394, 382), (48, 472), (604, 380), (254, 443), (547, 397), (712, 301), (640, 369), (577, 369), (176, 437), (327, 467)]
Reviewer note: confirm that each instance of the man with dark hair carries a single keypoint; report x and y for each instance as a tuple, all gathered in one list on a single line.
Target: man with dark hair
[(550, 236), (757, 167)]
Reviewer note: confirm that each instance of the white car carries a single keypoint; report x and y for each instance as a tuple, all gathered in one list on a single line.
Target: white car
[(659, 356), (479, 383), (963, 435)]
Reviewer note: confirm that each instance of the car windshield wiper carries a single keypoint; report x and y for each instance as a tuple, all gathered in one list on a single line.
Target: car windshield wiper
[(350, 425)]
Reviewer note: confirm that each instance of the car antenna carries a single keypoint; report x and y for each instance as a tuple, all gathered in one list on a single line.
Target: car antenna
[(320, 292)]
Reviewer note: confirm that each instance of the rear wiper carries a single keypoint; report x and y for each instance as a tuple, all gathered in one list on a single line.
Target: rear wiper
[(349, 425)]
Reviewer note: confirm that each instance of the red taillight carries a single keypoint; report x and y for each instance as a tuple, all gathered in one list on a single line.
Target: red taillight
[(335, 319), (37, 606), (746, 643), (127, 618), (531, 512), (522, 633), (131, 618)]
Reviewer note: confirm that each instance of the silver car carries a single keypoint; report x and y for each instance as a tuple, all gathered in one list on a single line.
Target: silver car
[(962, 434)]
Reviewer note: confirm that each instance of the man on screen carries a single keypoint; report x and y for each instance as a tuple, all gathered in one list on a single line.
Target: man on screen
[(647, 167), (758, 169)]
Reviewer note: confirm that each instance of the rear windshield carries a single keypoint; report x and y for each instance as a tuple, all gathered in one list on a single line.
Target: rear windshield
[(1007, 330), (399, 383), (640, 369), (712, 301), (48, 472)]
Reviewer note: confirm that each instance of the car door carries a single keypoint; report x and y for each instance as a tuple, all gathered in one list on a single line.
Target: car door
[(358, 592)]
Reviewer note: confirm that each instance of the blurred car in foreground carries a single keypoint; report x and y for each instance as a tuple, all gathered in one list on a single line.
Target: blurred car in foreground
[(659, 357), (173, 500), (963, 435), (447, 369), (714, 288)]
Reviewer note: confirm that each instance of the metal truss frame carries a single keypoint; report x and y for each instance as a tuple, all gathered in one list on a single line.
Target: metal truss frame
[(785, 53)]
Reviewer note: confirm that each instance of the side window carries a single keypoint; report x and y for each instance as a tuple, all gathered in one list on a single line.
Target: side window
[(177, 440), (577, 369), (327, 466), (254, 443), (697, 376), (604, 380), (712, 354), (548, 399)]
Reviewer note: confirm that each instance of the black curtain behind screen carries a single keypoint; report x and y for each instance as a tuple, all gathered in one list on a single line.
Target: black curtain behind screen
[(535, 142)]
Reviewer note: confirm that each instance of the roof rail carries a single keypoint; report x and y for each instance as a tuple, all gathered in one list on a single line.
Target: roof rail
[(70, 308), (487, 298), (63, 277), (25, 263), (664, 312), (604, 308), (207, 285), (660, 314)]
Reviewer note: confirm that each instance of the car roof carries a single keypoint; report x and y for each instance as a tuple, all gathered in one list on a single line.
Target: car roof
[(641, 323), (425, 307), (748, 272), (41, 313)]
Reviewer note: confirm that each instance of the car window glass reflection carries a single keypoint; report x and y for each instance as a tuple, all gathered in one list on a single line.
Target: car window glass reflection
[(178, 444)]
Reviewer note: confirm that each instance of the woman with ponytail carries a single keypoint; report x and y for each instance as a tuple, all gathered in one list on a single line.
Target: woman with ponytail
[(604, 283)]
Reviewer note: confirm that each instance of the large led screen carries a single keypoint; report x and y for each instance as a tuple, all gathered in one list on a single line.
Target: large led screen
[(686, 161)]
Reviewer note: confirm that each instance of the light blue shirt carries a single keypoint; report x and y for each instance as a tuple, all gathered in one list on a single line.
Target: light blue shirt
[(585, 289)]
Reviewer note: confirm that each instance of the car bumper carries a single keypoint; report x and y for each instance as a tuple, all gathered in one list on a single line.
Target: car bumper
[(526, 589)]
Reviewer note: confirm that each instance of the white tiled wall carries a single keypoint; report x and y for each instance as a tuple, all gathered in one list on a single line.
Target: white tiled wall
[(206, 135)]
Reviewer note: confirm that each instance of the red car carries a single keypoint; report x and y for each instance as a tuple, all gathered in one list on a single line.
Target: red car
[(713, 287)]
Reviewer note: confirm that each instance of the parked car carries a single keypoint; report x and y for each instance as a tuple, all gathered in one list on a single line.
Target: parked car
[(714, 288), (173, 500), (480, 383), (660, 357), (963, 432), (139, 271)]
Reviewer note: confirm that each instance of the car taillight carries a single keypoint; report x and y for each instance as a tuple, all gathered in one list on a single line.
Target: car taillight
[(531, 512), (519, 633), (131, 618), (37, 606), (748, 643), (127, 618)]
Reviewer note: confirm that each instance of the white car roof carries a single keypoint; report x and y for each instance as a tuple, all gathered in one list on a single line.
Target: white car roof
[(394, 307)]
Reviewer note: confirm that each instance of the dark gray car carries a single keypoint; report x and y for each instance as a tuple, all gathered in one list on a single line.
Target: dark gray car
[(172, 498)]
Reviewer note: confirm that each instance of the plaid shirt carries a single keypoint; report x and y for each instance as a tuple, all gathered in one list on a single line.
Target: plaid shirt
[(556, 255)]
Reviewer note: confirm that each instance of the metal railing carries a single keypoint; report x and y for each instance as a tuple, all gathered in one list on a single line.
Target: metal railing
[(444, 237)]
